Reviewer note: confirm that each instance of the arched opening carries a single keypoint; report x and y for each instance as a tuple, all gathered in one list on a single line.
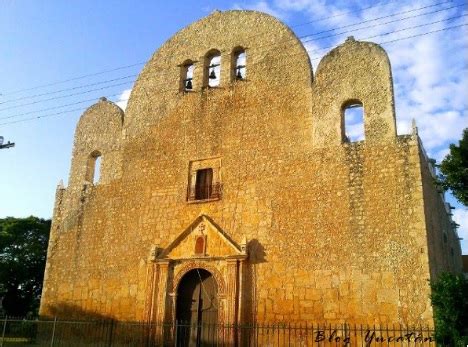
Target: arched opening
[(187, 82), (353, 114), (213, 68), (197, 308), (239, 71), (93, 172)]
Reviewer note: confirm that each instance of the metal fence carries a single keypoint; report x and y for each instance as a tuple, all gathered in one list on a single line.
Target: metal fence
[(21, 332)]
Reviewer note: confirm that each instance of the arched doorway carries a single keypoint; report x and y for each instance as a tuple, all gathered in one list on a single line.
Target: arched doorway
[(197, 309)]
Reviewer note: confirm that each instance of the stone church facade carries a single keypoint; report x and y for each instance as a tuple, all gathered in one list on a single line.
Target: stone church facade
[(229, 183)]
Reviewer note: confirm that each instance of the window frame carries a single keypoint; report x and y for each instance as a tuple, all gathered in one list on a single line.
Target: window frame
[(215, 189)]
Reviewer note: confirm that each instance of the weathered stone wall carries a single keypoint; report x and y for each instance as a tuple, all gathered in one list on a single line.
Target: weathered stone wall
[(443, 244), (337, 231)]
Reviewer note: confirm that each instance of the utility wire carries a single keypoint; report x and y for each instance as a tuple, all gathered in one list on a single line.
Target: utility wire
[(389, 22), (350, 12), (72, 88), (389, 16), (66, 96), (74, 78), (303, 41), (175, 92), (332, 35), (395, 31), (302, 24), (55, 107)]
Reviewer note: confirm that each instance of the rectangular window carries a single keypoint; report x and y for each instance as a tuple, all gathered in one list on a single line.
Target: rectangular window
[(204, 180), (203, 184)]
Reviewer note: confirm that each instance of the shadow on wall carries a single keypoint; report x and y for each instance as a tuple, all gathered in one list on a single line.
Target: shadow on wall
[(249, 278), (256, 252), (95, 330), (69, 325), (72, 312)]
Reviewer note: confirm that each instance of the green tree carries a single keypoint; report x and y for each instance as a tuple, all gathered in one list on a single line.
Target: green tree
[(450, 302), (454, 170), (23, 251)]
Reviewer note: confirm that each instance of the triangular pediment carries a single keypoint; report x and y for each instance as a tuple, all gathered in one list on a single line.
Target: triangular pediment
[(203, 238)]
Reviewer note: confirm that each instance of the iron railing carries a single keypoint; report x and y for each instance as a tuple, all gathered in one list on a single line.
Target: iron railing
[(21, 332), (209, 192)]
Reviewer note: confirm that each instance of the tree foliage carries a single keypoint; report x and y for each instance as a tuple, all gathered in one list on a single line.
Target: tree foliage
[(454, 170), (23, 250), (450, 302)]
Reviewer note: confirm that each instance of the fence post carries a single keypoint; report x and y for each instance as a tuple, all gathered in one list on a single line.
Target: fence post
[(53, 332), (111, 333), (3, 330)]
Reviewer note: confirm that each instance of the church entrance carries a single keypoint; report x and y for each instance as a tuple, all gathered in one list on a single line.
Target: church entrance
[(197, 309)]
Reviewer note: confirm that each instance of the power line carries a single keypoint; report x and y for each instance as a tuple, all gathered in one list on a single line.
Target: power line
[(72, 88), (424, 34), (346, 26), (301, 24), (304, 41), (350, 12), (74, 78), (172, 90), (390, 22), (391, 15), (66, 96), (397, 31), (55, 107)]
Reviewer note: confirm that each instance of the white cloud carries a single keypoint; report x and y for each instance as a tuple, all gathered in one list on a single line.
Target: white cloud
[(440, 155), (460, 216), (123, 99), (262, 6)]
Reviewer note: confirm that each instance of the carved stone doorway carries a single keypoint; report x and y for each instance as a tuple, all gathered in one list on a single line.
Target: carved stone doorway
[(197, 309)]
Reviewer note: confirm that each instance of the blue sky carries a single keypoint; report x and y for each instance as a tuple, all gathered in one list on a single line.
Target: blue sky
[(46, 42)]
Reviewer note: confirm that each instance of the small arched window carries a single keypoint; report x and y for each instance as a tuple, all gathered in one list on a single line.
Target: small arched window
[(239, 64), (353, 114), (187, 76), (93, 172), (200, 245), (213, 69)]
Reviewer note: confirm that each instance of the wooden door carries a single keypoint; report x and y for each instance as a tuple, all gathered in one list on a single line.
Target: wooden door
[(197, 309)]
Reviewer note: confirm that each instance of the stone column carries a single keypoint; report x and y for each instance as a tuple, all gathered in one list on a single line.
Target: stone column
[(171, 316), (231, 291), (151, 276), (161, 290), (241, 290)]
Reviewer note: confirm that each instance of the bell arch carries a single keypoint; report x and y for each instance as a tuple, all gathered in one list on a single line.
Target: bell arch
[(212, 68)]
